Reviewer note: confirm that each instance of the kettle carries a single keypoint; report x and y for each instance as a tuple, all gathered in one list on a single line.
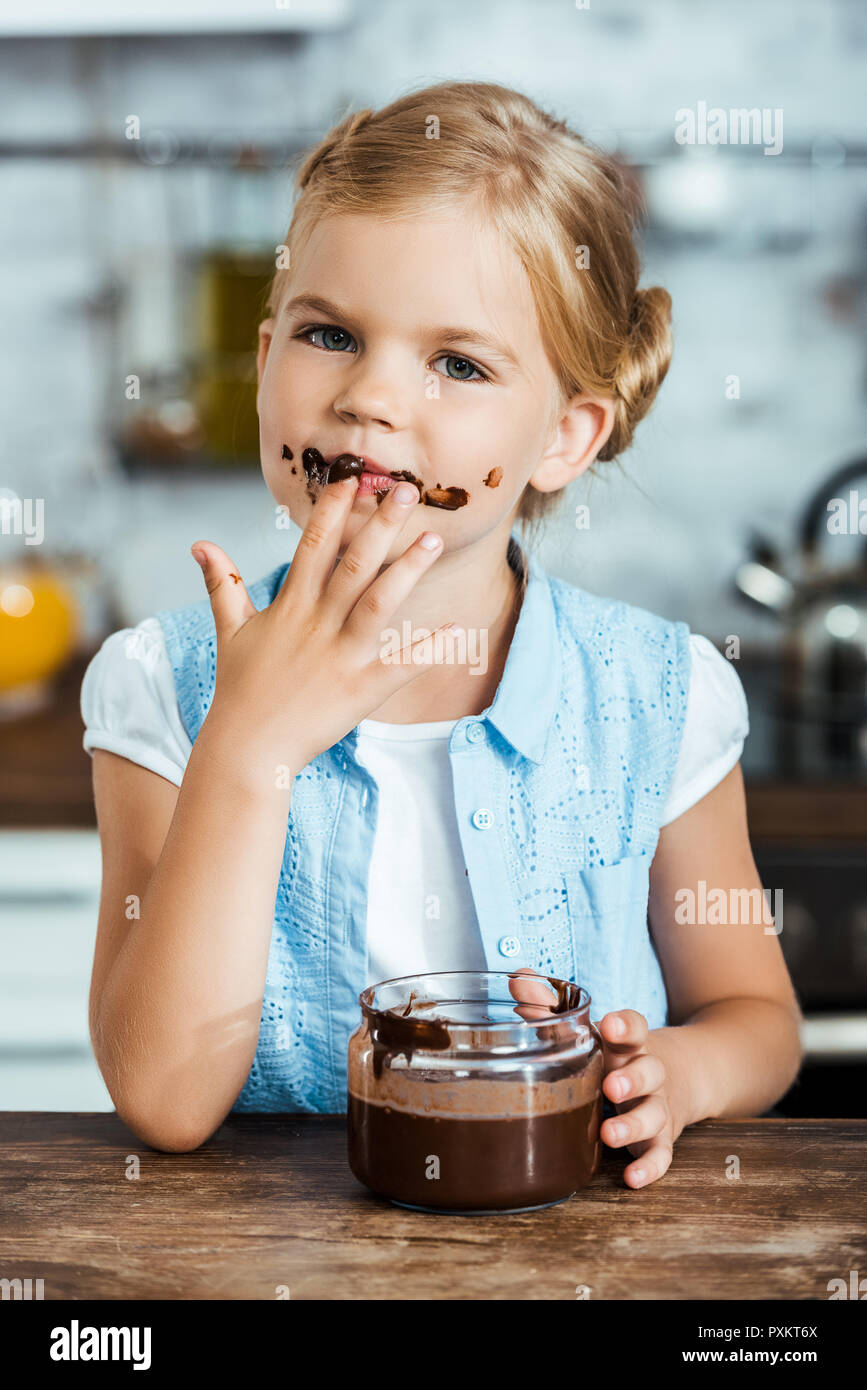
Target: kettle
[(823, 677)]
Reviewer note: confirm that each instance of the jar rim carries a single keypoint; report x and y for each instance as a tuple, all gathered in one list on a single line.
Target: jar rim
[(460, 1029)]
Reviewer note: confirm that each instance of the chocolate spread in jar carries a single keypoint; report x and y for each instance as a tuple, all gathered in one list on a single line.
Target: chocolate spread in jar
[(450, 1140), (505, 1164)]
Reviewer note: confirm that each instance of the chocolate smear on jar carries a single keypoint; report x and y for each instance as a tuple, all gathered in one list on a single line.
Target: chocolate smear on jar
[(394, 1032)]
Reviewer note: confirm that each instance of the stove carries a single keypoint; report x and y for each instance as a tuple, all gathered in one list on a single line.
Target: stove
[(806, 785)]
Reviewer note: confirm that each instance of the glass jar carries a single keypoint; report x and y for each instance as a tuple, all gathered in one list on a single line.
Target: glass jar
[(463, 1098)]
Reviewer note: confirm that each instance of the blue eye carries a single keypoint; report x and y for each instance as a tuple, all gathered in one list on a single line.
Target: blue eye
[(463, 363), (331, 332), (337, 340)]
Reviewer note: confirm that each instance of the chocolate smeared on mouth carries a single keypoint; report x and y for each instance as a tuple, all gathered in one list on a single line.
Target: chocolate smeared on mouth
[(404, 475), (318, 471), (315, 466), (319, 474), (287, 453), (315, 471), (448, 497), (345, 466)]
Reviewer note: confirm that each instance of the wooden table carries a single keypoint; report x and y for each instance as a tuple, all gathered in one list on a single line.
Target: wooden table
[(270, 1201)]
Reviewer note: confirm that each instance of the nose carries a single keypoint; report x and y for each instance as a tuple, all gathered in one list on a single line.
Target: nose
[(370, 396)]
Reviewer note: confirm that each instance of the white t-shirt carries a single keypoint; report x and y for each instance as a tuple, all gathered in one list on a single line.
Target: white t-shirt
[(421, 915)]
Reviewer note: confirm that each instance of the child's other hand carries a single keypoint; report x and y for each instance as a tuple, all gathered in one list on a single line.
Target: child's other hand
[(635, 1082), (643, 1107)]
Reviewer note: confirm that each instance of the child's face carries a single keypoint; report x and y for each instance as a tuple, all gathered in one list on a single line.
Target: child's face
[(380, 379)]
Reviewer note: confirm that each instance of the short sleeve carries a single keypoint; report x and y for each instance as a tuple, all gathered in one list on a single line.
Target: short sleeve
[(129, 705), (716, 726)]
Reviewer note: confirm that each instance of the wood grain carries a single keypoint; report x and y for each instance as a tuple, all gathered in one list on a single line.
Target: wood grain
[(269, 1201)]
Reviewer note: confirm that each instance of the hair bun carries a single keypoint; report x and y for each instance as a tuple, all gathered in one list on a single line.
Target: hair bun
[(643, 365)]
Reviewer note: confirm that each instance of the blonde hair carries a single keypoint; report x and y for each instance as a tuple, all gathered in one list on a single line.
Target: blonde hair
[(549, 192)]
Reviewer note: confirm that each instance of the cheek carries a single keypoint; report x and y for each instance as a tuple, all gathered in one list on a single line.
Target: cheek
[(471, 444), (287, 488)]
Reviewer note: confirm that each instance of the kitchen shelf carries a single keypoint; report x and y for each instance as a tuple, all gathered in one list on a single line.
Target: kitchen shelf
[(272, 152), (168, 18)]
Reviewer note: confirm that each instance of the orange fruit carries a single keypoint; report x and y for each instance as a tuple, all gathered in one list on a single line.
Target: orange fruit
[(38, 626)]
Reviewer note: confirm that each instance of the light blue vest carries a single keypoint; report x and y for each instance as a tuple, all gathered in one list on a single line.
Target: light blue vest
[(559, 790)]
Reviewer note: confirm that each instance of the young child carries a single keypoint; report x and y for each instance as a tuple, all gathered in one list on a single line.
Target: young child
[(288, 813)]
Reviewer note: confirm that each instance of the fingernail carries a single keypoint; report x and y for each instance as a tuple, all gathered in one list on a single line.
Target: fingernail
[(619, 1131), (198, 556), (639, 1175), (618, 1027), (405, 492), (430, 540)]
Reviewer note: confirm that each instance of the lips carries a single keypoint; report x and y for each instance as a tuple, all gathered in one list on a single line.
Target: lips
[(370, 465), (373, 480)]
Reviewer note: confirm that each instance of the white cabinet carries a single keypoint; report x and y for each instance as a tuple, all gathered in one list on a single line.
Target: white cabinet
[(46, 17), (49, 902)]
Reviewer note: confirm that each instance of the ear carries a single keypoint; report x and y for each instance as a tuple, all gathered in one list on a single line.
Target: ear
[(581, 430), (266, 333)]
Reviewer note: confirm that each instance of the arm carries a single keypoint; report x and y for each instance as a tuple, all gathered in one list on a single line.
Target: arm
[(176, 991), (736, 1041), (734, 1047)]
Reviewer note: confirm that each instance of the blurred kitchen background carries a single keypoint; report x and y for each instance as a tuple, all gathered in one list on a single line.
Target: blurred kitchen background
[(145, 156)]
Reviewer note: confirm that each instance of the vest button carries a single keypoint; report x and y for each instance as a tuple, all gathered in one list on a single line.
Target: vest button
[(508, 945), (483, 819), (475, 733)]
